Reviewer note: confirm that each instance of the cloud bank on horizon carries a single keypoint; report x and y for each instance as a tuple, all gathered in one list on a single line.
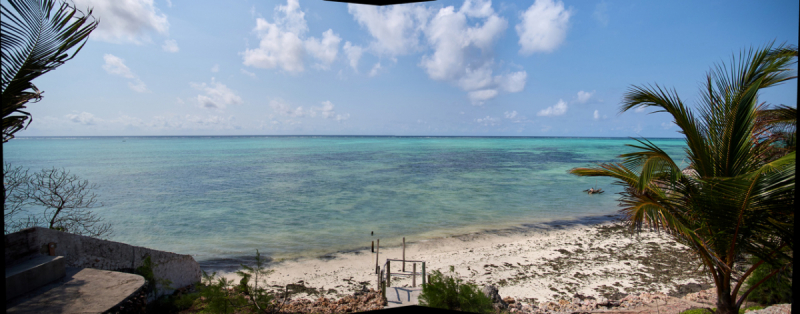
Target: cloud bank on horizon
[(471, 67)]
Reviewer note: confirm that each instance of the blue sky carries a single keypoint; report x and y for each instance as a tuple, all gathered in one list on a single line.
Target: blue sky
[(472, 68)]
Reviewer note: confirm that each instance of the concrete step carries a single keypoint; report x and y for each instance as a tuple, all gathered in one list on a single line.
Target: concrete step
[(402, 296), (32, 273), (82, 290)]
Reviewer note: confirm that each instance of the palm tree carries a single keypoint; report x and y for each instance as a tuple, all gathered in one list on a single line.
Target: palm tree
[(732, 201), (777, 131), (35, 38)]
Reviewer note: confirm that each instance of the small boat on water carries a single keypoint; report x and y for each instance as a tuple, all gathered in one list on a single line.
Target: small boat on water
[(594, 191)]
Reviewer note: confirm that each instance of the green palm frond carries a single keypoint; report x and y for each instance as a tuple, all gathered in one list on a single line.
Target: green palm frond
[(741, 200), (36, 37)]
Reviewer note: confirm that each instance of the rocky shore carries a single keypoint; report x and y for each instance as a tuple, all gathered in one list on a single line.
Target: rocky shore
[(643, 303), (555, 267)]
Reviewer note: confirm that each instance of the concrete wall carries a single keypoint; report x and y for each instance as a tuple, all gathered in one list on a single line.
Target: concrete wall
[(87, 252)]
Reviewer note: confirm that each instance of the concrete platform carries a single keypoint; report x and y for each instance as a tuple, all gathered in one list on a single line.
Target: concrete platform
[(400, 296), (82, 290), (32, 273)]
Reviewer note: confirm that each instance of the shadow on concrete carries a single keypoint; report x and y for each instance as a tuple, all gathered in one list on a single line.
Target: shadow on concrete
[(82, 290)]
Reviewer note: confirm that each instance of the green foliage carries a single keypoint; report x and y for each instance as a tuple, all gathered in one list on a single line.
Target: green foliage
[(146, 271), (737, 195), (222, 296), (219, 299), (448, 292), (173, 303), (709, 311), (774, 290)]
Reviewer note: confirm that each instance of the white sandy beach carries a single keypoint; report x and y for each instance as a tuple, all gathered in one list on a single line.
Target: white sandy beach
[(548, 262)]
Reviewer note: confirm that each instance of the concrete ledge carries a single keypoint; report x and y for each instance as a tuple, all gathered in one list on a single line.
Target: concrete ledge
[(82, 290), (87, 252), (33, 273)]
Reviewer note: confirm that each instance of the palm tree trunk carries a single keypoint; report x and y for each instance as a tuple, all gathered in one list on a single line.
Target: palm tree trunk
[(725, 303)]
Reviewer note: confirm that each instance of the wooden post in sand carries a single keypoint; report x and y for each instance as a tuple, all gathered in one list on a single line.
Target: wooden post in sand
[(414, 275), (377, 252), (373, 246), (388, 274), (404, 254), (423, 273)]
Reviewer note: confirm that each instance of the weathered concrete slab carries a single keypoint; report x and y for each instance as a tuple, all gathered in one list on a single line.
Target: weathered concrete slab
[(87, 252), (82, 290), (400, 296), (33, 273)]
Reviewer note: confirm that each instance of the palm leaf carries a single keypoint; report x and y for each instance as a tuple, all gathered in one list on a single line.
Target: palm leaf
[(742, 199), (36, 38)]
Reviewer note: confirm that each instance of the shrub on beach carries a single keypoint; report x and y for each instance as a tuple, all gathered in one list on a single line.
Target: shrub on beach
[(774, 290), (448, 292), (220, 295)]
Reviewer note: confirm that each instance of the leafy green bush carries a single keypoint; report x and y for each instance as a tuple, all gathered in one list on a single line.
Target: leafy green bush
[(217, 296), (173, 303), (447, 292), (220, 298), (777, 289), (707, 311)]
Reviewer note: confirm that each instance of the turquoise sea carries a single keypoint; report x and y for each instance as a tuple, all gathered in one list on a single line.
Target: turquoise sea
[(221, 198)]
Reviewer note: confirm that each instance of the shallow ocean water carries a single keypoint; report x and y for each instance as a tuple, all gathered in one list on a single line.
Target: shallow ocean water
[(221, 198)]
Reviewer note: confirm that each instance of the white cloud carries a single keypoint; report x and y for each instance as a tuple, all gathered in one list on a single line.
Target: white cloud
[(543, 27), (396, 28), (558, 109), (375, 69), (127, 120), (596, 115), (451, 38), (125, 21), (281, 44), (462, 51), (512, 83), (170, 45), (479, 96), (488, 120), (583, 97), (215, 68), (192, 122), (667, 125), (84, 118), (248, 73), (179, 101), (510, 115), (640, 109), (281, 108), (326, 111), (600, 13), (169, 3), (353, 54), (138, 86), (217, 95), (116, 66), (326, 49)]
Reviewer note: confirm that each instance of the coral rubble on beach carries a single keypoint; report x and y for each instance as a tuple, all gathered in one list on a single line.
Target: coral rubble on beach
[(548, 268)]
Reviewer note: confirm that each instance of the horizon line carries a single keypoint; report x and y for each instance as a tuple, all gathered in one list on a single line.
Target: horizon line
[(307, 135)]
